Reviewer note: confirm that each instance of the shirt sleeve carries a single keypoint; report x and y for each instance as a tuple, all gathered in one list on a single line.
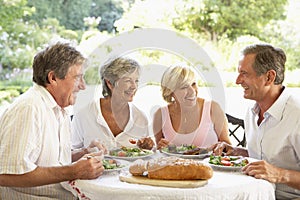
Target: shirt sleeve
[(295, 140), (20, 140)]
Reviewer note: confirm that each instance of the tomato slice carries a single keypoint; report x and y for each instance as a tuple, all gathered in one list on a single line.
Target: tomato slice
[(122, 154), (225, 163), (132, 141), (225, 158)]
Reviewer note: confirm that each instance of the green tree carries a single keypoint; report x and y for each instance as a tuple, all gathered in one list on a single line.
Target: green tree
[(15, 35), (21, 37), (69, 13), (109, 11), (230, 18), (286, 34), (10, 11)]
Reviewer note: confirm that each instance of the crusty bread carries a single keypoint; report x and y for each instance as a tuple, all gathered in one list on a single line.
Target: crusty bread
[(172, 168), (138, 167)]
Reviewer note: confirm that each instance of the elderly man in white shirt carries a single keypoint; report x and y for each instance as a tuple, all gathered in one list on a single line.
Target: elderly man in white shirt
[(272, 126), (35, 146)]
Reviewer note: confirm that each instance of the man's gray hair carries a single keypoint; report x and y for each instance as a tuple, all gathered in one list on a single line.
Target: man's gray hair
[(267, 58)]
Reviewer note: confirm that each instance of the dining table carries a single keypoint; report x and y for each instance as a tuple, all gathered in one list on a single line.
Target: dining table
[(224, 184)]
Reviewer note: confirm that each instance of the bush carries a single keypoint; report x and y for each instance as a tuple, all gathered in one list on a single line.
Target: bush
[(91, 76), (9, 93)]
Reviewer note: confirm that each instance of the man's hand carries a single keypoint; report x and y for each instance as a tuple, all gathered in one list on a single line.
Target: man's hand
[(263, 170), (224, 149), (89, 166)]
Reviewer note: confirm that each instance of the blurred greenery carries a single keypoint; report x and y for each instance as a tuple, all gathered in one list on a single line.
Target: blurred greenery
[(91, 76), (217, 18), (221, 27)]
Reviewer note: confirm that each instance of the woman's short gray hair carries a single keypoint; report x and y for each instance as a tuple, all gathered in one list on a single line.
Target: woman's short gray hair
[(114, 69)]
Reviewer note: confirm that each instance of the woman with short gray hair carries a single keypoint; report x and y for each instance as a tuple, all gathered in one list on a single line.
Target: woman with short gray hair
[(111, 71), (113, 120)]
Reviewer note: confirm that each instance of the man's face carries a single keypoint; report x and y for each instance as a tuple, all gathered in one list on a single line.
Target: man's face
[(254, 85), (67, 89)]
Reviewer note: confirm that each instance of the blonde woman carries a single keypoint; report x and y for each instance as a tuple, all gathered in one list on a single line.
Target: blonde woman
[(187, 119)]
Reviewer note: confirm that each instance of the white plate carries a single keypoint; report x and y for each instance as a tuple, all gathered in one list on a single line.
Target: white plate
[(199, 156), (225, 168), (132, 158)]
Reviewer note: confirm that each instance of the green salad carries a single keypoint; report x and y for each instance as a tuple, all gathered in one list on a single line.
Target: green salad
[(130, 152), (234, 161), (111, 164), (186, 149), (179, 149)]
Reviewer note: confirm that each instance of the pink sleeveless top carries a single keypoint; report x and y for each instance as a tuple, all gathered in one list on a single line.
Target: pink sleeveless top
[(203, 136)]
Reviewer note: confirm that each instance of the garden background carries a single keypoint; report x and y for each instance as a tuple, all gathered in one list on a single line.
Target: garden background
[(221, 28)]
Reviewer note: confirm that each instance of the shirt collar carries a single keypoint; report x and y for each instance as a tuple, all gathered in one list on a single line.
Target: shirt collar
[(276, 110), (48, 98), (101, 120), (130, 121)]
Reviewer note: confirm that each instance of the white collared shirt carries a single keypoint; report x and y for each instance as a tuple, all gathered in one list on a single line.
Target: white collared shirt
[(89, 124), (32, 135), (277, 138)]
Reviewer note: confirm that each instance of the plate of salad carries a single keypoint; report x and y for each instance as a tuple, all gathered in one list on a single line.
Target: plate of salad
[(129, 153), (186, 151), (231, 163), (112, 165)]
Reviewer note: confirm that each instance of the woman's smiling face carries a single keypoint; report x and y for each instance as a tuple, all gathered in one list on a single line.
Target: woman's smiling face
[(125, 88), (186, 94)]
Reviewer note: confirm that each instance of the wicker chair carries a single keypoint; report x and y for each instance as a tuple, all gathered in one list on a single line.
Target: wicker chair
[(236, 130)]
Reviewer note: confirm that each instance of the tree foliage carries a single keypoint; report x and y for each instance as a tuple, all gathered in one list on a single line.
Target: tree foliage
[(27, 24), (11, 10), (21, 37), (71, 13), (230, 18), (109, 11)]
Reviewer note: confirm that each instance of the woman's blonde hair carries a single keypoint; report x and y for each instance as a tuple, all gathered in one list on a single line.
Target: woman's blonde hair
[(174, 78)]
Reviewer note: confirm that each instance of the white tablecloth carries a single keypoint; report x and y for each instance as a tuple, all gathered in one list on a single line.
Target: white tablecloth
[(223, 185)]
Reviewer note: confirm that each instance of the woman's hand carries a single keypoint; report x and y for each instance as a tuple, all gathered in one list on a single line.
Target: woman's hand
[(145, 143), (162, 143), (96, 143)]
